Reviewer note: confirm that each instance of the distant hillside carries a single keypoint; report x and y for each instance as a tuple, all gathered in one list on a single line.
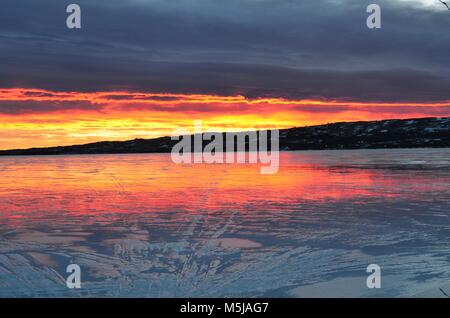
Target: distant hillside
[(408, 133)]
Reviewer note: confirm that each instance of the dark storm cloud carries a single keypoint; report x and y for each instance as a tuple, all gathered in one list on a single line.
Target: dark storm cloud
[(283, 48), (29, 107)]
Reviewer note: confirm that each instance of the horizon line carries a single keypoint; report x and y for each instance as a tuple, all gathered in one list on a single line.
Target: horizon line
[(223, 132)]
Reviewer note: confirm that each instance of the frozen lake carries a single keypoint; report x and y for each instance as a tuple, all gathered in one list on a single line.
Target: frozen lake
[(142, 226)]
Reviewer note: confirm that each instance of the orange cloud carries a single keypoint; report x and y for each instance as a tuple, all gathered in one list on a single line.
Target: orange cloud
[(41, 118)]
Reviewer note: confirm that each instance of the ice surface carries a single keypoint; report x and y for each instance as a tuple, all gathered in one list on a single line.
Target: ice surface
[(141, 226)]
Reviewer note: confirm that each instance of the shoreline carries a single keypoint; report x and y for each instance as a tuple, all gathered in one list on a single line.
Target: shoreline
[(168, 152), (386, 134)]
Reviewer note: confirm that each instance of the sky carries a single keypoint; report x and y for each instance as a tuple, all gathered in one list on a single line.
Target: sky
[(143, 68)]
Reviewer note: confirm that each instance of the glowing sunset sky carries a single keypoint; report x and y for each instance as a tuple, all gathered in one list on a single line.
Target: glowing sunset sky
[(141, 69), (40, 117)]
